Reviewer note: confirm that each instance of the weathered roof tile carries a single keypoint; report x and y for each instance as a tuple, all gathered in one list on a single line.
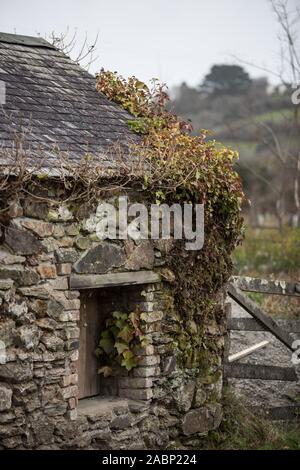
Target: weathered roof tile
[(54, 102)]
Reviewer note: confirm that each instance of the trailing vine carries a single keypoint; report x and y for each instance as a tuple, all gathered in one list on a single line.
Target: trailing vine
[(183, 168), (167, 164), (121, 341)]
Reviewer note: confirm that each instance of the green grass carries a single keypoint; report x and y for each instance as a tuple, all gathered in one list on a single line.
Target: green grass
[(269, 252), (243, 146), (256, 297), (273, 255), (241, 429), (275, 117)]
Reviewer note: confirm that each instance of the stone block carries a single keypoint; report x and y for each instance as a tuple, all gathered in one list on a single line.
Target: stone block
[(146, 351), (15, 210), (202, 420), (72, 403), (35, 209), (7, 331), (69, 392), (52, 342), (60, 283), (151, 317), (135, 382), (17, 310), (27, 336), (136, 394), (168, 364), (184, 395), (71, 316), (149, 360), (71, 379), (123, 421), (6, 284), (65, 242), (47, 271), (22, 242), (72, 333), (66, 255), (38, 227), (14, 372), (58, 231), (5, 397), (47, 324), (146, 371), (139, 257), (72, 230), (83, 243), (12, 259), (23, 277), (39, 307), (36, 291), (64, 269), (200, 397), (100, 259)]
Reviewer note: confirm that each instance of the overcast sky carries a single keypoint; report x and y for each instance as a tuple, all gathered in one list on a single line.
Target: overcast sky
[(174, 40)]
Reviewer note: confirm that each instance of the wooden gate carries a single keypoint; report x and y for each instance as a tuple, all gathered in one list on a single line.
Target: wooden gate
[(260, 321)]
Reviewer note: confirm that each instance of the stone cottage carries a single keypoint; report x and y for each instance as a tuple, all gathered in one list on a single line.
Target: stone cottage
[(59, 284)]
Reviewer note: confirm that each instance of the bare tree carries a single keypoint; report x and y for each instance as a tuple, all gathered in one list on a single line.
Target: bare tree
[(288, 154), (67, 43), (286, 151)]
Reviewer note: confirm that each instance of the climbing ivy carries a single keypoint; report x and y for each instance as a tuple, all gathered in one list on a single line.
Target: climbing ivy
[(121, 341), (178, 166)]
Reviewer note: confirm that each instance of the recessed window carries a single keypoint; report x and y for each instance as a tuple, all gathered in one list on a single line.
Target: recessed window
[(96, 306)]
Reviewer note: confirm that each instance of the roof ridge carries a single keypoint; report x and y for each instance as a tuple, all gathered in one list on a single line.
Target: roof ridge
[(32, 41)]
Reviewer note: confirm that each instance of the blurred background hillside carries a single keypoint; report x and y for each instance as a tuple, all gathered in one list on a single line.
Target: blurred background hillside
[(262, 122)]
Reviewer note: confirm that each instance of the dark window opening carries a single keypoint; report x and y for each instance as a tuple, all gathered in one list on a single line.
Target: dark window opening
[(96, 306)]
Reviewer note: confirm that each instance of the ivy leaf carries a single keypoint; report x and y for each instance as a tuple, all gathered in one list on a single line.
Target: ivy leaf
[(144, 316), (99, 352), (144, 341), (140, 84), (134, 318), (129, 361), (119, 315), (42, 176), (126, 334), (106, 342), (121, 347), (114, 331), (106, 371), (128, 354)]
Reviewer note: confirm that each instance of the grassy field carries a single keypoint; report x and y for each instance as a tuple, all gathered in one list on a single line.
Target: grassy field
[(274, 116), (269, 252), (273, 255)]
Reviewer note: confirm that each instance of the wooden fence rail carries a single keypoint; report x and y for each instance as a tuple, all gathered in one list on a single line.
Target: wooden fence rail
[(250, 324), (264, 286), (260, 321), (257, 371), (251, 307)]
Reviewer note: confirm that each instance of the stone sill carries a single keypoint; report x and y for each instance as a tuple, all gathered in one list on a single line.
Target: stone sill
[(98, 406), (130, 278)]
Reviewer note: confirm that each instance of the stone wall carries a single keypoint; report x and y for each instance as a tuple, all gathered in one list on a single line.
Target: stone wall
[(159, 402)]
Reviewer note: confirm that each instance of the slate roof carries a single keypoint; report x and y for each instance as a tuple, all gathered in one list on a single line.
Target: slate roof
[(53, 103)]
